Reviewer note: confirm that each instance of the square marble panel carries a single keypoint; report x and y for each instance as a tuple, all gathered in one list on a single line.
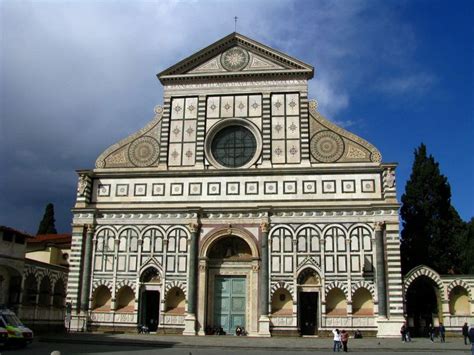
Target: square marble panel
[(255, 105), (270, 187), (176, 189), (177, 109), (227, 106), (176, 131), (329, 186), (289, 187), (103, 190), (278, 128), (189, 133), (348, 186), (139, 190), (214, 188), (121, 190), (367, 185), (158, 189), (241, 106), (292, 104), (213, 107), (251, 188), (195, 188), (233, 188), (191, 107), (278, 105), (309, 187), (278, 152)]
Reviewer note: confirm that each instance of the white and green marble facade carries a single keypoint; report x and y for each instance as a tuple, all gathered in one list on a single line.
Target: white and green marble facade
[(312, 197)]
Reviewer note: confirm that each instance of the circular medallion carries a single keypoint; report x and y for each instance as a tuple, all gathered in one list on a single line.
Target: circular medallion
[(144, 151), (235, 59), (327, 146)]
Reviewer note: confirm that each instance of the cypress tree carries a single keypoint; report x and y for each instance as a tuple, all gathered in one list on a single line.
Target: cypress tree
[(47, 223), (431, 226)]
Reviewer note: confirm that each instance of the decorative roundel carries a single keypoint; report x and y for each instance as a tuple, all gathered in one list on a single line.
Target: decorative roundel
[(235, 59), (327, 146), (376, 157), (144, 151), (158, 109)]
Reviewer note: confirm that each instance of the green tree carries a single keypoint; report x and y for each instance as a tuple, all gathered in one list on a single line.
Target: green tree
[(466, 246), (47, 223), (432, 228)]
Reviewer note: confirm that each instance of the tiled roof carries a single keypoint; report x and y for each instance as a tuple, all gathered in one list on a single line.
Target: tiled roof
[(51, 238)]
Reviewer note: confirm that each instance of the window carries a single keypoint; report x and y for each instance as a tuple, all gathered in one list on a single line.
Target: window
[(233, 146)]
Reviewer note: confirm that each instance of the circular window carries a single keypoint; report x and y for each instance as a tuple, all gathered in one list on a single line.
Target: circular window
[(233, 143), (233, 146)]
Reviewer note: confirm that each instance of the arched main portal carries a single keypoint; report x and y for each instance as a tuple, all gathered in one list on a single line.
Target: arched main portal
[(228, 281), (423, 306), (149, 299)]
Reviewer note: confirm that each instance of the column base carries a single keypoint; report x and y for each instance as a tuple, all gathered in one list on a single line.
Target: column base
[(389, 328), (189, 324), (264, 326)]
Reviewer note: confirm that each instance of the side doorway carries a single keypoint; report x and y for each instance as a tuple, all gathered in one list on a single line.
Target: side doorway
[(308, 313)]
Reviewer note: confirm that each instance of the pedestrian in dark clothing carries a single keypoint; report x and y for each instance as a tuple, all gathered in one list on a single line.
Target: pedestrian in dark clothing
[(403, 332), (442, 333), (431, 332), (465, 334), (344, 339)]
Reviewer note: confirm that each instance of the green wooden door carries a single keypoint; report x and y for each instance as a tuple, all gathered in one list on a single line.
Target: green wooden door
[(229, 303)]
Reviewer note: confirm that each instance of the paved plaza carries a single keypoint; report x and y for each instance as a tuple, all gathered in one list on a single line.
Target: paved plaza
[(168, 344)]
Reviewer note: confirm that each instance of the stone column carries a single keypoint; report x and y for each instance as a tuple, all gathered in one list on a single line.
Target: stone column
[(380, 269), (264, 321), (190, 320), (86, 269)]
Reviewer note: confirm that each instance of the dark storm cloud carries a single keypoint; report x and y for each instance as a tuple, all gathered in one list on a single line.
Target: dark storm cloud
[(77, 76)]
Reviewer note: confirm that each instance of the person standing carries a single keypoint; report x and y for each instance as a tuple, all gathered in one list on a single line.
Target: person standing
[(344, 340), (442, 333), (337, 340), (465, 334)]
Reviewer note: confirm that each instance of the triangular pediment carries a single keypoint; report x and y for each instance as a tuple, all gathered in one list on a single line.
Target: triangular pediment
[(233, 56)]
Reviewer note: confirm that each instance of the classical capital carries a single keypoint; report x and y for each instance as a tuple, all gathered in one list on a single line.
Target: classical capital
[(264, 227), (379, 226), (194, 227), (90, 228)]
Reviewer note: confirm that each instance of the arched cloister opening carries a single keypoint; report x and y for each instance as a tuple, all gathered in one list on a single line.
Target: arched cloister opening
[(175, 301), (101, 299), (125, 299), (336, 303), (45, 292), (459, 304), (423, 305), (362, 303), (30, 290), (59, 294), (282, 302)]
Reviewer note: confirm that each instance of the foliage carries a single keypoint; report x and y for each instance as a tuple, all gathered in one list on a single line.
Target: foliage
[(47, 225), (432, 229)]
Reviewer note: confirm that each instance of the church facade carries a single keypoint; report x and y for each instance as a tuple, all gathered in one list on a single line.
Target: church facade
[(239, 204)]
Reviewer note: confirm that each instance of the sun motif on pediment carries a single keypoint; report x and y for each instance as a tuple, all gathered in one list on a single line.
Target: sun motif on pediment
[(235, 59)]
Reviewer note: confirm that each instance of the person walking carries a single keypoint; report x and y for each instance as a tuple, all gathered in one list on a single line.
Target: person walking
[(465, 334), (442, 333), (431, 332), (337, 340), (344, 340), (403, 332)]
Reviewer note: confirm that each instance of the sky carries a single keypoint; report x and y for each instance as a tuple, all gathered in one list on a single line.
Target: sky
[(78, 76)]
